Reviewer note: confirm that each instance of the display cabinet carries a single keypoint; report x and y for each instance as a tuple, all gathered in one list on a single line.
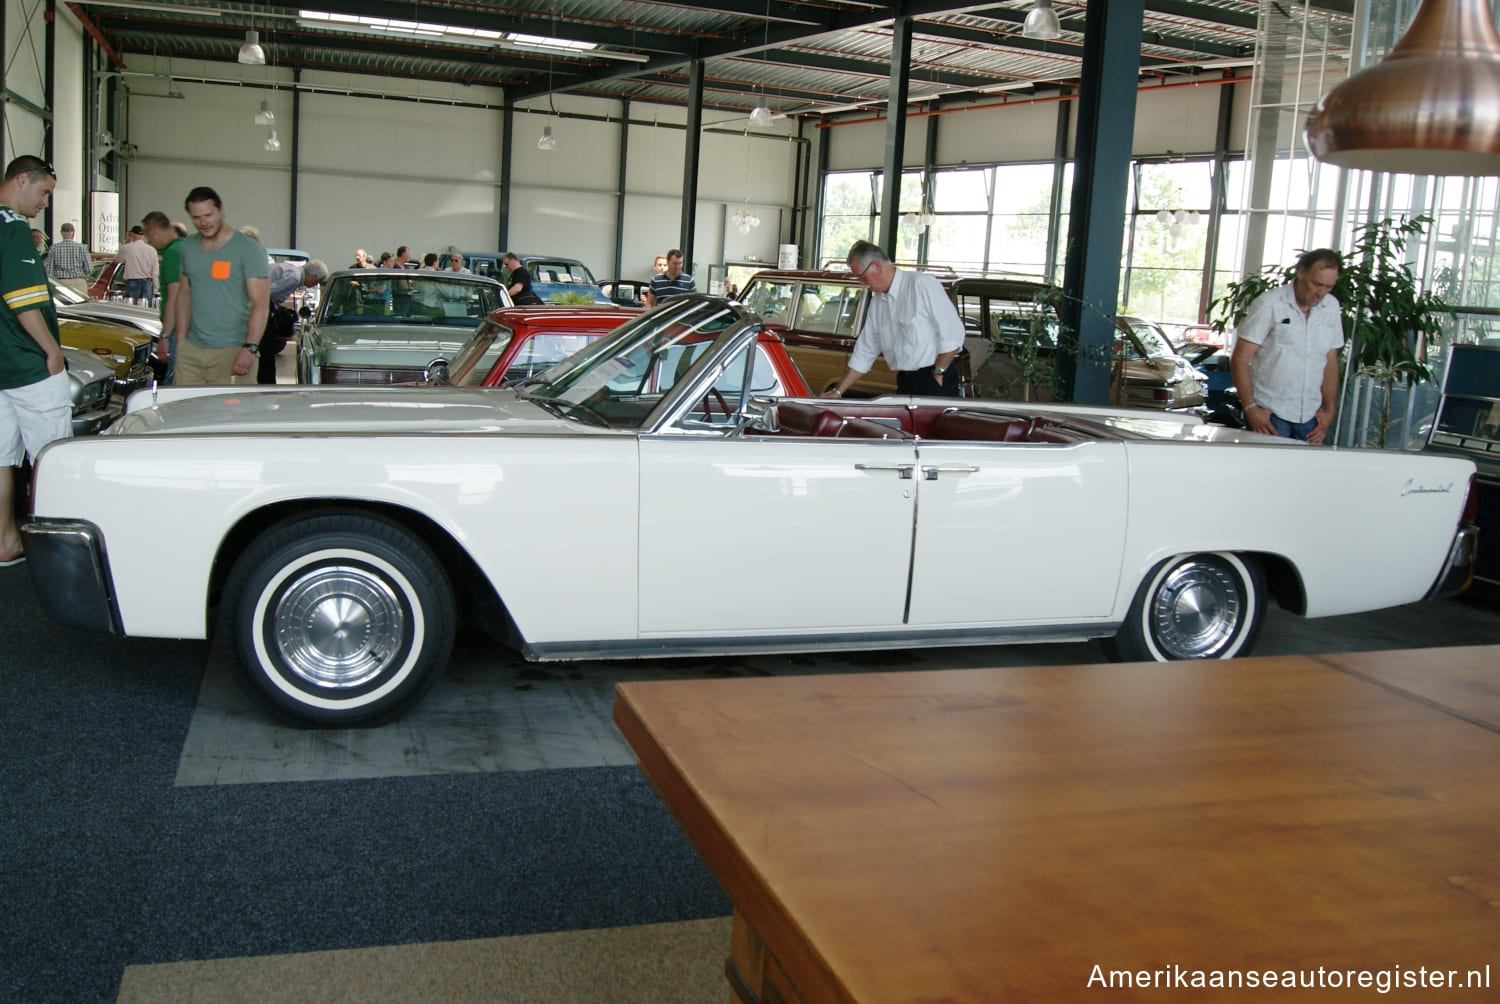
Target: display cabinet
[(1468, 425)]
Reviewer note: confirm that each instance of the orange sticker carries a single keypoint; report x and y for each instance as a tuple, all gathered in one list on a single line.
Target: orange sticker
[(220, 270)]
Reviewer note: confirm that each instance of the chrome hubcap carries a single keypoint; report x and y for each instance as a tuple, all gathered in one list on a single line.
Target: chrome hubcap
[(339, 626), (1197, 609)]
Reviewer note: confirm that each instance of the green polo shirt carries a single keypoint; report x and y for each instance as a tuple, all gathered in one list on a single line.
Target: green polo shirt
[(23, 287), (216, 279), (169, 269)]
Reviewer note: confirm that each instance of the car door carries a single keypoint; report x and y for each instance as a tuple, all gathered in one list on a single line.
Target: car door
[(1017, 533), (773, 535)]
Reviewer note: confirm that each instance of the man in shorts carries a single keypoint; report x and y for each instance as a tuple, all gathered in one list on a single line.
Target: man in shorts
[(35, 404), (223, 298)]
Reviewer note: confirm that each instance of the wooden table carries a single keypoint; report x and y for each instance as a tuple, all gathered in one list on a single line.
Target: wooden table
[(977, 835)]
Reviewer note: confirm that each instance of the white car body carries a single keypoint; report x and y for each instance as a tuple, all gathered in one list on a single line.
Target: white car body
[(684, 537)]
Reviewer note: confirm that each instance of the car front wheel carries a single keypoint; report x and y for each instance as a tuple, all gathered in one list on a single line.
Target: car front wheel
[(339, 619), (1194, 606)]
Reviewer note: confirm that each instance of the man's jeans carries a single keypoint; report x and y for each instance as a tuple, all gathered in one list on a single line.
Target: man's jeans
[(138, 290), (1292, 430)]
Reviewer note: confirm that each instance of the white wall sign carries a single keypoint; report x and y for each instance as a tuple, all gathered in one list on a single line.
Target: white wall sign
[(105, 229)]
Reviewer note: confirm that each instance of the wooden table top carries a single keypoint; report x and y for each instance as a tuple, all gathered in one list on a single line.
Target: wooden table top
[(996, 834)]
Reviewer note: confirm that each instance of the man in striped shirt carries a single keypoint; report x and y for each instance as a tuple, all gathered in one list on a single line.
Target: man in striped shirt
[(69, 261), (35, 403), (674, 280)]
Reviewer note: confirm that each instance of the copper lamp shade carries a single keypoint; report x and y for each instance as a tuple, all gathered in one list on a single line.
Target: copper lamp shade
[(1431, 106)]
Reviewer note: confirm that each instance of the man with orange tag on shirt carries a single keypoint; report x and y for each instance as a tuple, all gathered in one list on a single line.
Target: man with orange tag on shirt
[(223, 298)]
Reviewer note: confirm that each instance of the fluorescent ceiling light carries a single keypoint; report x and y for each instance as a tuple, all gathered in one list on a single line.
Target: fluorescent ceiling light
[(483, 38), (1009, 85)]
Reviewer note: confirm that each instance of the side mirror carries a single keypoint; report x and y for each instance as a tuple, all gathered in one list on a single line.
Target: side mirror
[(760, 416), (436, 373)]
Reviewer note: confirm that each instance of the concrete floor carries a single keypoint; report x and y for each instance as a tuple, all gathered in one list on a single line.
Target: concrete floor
[(492, 711)]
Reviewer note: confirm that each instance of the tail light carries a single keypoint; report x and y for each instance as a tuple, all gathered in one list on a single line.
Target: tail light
[(1471, 506)]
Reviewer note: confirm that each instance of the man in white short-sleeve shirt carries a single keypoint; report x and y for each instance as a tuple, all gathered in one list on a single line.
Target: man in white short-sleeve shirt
[(1286, 354)]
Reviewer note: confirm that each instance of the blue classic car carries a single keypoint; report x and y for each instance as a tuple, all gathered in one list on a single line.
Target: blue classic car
[(554, 279)]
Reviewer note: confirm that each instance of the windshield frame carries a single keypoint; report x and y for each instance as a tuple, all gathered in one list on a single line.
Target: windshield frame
[(689, 312)]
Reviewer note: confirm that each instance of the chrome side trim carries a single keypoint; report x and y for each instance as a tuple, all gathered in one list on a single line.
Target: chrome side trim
[(658, 648)]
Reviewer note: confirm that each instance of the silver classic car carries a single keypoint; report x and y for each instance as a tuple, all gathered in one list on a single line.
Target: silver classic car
[(386, 326)]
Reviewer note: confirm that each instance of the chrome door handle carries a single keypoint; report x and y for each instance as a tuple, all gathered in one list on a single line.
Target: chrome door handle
[(931, 471), (903, 470)]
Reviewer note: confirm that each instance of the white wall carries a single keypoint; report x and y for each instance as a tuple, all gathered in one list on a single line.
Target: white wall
[(378, 173)]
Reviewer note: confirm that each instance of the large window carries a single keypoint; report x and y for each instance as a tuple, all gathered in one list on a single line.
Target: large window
[(1167, 239)]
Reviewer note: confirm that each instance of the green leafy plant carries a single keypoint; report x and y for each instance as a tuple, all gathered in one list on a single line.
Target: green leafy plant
[(1389, 320), (572, 299)]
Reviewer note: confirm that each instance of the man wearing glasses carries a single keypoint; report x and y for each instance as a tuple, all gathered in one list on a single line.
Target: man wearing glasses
[(35, 404), (910, 321), (456, 264)]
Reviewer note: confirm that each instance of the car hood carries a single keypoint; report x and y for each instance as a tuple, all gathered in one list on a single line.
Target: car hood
[(367, 411), (391, 341), (141, 318)]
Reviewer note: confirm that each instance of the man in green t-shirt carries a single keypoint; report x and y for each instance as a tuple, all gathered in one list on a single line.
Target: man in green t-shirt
[(223, 297), (35, 403), (161, 235)]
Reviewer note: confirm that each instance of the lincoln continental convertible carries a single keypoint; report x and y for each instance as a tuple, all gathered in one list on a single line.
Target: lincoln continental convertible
[(664, 492)]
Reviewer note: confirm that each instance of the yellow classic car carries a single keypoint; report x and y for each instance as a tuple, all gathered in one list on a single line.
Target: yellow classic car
[(127, 350)]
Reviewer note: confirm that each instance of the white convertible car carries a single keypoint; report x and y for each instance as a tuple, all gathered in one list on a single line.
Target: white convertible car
[(655, 495)]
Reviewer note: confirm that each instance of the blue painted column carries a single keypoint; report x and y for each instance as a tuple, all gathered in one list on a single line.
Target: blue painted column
[(1101, 173)]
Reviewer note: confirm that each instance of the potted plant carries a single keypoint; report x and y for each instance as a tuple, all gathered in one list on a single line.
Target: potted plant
[(1389, 320)]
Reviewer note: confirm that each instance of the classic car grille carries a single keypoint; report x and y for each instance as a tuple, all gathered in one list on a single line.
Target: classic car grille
[(141, 356), (94, 396), (362, 375)]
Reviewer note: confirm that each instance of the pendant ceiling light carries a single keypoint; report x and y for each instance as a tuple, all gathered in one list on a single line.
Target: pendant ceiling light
[(546, 141), (265, 116), (1041, 21), (760, 115), (251, 54), (272, 143), (1431, 106)]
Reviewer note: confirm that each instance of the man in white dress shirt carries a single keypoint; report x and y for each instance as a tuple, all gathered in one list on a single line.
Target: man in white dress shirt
[(910, 320)]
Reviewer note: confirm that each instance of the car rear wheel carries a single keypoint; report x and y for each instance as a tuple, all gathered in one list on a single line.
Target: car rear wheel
[(1194, 606), (337, 620)]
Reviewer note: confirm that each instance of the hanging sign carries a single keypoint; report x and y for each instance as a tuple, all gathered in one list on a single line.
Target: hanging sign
[(104, 230)]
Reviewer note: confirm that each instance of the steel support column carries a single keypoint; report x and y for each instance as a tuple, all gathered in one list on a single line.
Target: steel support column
[(296, 148), (1106, 124), (690, 150), (929, 158), (49, 123), (1059, 165), (895, 134), (623, 152), (1218, 198), (507, 130)]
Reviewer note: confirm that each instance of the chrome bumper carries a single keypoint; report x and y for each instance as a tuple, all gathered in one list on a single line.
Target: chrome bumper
[(1458, 570), (70, 573)]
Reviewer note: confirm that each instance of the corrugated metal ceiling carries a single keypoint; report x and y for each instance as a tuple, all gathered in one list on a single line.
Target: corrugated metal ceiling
[(802, 56)]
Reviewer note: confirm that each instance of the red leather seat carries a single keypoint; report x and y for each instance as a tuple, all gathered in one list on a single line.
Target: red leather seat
[(859, 428), (968, 425)]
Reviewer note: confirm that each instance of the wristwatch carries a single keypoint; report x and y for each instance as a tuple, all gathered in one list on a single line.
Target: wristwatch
[(938, 369), (251, 347)]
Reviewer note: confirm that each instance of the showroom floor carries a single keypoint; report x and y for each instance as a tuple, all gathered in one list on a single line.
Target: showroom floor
[(164, 839)]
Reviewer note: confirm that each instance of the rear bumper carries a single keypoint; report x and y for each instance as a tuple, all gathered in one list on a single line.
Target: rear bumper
[(70, 572), (1458, 570)]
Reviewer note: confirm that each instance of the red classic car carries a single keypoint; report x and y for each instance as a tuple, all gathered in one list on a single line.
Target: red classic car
[(513, 343), (516, 343)]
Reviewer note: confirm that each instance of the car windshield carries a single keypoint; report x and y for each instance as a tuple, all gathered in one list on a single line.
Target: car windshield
[(426, 297), (1151, 338), (771, 299), (619, 380), (65, 294), (561, 271)]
